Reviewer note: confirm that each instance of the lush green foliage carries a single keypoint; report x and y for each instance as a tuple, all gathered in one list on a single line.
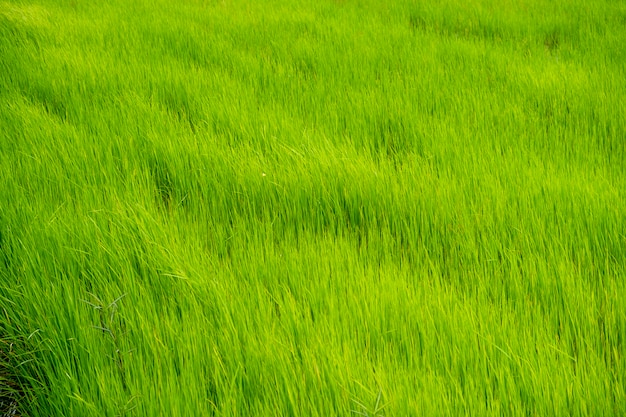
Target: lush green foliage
[(313, 208)]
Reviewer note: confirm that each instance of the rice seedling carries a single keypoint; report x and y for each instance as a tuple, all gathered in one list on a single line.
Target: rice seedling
[(337, 208)]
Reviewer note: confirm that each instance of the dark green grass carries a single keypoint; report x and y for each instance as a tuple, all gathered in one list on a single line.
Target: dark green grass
[(277, 208)]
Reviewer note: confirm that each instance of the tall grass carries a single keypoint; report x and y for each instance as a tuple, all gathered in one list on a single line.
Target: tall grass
[(318, 209)]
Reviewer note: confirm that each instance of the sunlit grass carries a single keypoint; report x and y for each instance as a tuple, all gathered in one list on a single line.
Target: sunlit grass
[(329, 209)]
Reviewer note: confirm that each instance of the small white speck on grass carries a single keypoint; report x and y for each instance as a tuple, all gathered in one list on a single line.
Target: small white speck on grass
[(263, 174), (33, 333)]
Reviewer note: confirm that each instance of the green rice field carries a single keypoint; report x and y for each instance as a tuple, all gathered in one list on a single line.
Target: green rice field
[(313, 208)]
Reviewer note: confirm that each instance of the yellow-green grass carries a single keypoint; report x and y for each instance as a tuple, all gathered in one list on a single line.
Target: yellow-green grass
[(332, 208)]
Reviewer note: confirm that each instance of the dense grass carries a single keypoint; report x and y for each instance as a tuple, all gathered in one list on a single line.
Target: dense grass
[(313, 208)]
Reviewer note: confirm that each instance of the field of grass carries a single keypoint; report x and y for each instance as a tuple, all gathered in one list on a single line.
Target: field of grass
[(313, 208)]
